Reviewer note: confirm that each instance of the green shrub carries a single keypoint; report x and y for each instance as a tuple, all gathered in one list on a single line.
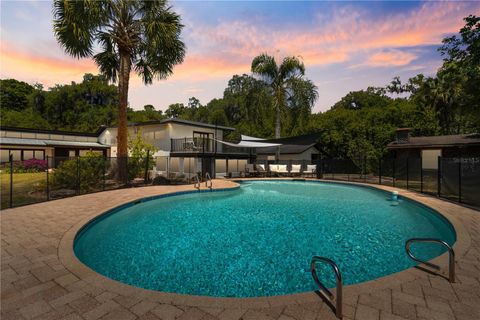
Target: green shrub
[(88, 169), (139, 149)]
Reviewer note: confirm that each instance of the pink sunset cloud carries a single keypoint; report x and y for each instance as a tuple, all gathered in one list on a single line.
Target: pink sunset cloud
[(341, 38), (390, 58), (45, 69)]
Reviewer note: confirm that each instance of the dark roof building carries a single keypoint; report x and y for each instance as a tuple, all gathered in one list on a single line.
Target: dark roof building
[(299, 148), (448, 146), (291, 145)]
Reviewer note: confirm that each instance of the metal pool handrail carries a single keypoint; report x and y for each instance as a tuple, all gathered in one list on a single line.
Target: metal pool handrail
[(208, 179), (451, 255), (197, 182), (324, 290)]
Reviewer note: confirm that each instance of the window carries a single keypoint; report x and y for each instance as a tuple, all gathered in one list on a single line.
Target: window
[(28, 154), (39, 154), (17, 155), (430, 158), (4, 155)]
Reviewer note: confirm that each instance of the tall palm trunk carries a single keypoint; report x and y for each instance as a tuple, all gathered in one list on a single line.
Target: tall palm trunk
[(122, 134), (277, 120), (278, 111)]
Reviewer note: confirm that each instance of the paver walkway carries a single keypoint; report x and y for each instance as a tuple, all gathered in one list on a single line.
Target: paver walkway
[(36, 283)]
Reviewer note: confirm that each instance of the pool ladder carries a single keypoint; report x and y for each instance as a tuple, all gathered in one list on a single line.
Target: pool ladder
[(197, 182), (327, 294), (208, 180), (451, 255)]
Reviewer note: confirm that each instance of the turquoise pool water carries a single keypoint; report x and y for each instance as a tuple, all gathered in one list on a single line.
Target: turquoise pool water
[(258, 240)]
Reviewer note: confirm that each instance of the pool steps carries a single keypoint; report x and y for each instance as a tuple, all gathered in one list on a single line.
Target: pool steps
[(327, 294), (451, 255)]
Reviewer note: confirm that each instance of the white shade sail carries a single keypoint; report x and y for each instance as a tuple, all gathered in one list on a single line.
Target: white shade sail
[(249, 138), (249, 144)]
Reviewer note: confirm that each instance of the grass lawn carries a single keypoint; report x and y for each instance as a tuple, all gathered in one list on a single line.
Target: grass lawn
[(27, 188)]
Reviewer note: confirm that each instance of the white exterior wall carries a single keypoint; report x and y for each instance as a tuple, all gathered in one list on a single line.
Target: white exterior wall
[(430, 158), (179, 131), (158, 135), (306, 155)]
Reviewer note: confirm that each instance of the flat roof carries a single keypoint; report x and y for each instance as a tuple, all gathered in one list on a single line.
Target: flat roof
[(179, 121), (61, 132), (456, 140), (102, 128), (50, 143)]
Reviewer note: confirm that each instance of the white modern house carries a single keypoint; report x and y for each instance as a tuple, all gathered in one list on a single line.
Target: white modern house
[(185, 148)]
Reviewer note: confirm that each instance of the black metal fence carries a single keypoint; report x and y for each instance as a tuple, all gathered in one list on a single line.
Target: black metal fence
[(31, 181), (35, 180), (456, 179)]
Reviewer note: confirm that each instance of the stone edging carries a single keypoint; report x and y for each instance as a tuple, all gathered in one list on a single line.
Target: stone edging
[(71, 262)]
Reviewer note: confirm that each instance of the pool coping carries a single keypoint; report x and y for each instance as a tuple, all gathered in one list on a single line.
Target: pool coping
[(73, 264)]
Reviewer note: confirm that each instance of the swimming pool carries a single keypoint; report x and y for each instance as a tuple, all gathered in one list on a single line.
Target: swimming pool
[(258, 240)]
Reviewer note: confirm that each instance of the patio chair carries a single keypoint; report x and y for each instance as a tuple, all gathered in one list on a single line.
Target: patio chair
[(311, 170), (273, 169), (296, 169), (261, 170), (283, 170)]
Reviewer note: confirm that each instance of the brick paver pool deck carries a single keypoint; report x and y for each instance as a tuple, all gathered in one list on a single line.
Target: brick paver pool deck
[(42, 279)]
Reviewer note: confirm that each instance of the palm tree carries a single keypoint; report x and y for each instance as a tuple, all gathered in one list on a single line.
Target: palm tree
[(280, 79), (303, 95), (129, 34)]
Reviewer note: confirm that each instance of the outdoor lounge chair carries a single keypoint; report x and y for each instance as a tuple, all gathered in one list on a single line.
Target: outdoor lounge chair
[(282, 170), (311, 170), (296, 169), (261, 170), (272, 169)]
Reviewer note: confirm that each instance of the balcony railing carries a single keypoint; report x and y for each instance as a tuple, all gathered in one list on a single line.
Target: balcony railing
[(203, 145)]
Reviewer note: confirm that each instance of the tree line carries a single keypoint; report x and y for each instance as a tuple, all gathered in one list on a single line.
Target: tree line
[(276, 99)]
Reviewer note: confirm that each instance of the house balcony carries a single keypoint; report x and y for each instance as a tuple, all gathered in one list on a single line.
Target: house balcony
[(207, 147)]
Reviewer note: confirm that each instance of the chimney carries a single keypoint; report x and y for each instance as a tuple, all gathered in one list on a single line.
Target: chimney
[(402, 135)]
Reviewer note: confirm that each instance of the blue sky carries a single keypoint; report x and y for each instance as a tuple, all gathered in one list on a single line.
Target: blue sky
[(345, 45)]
